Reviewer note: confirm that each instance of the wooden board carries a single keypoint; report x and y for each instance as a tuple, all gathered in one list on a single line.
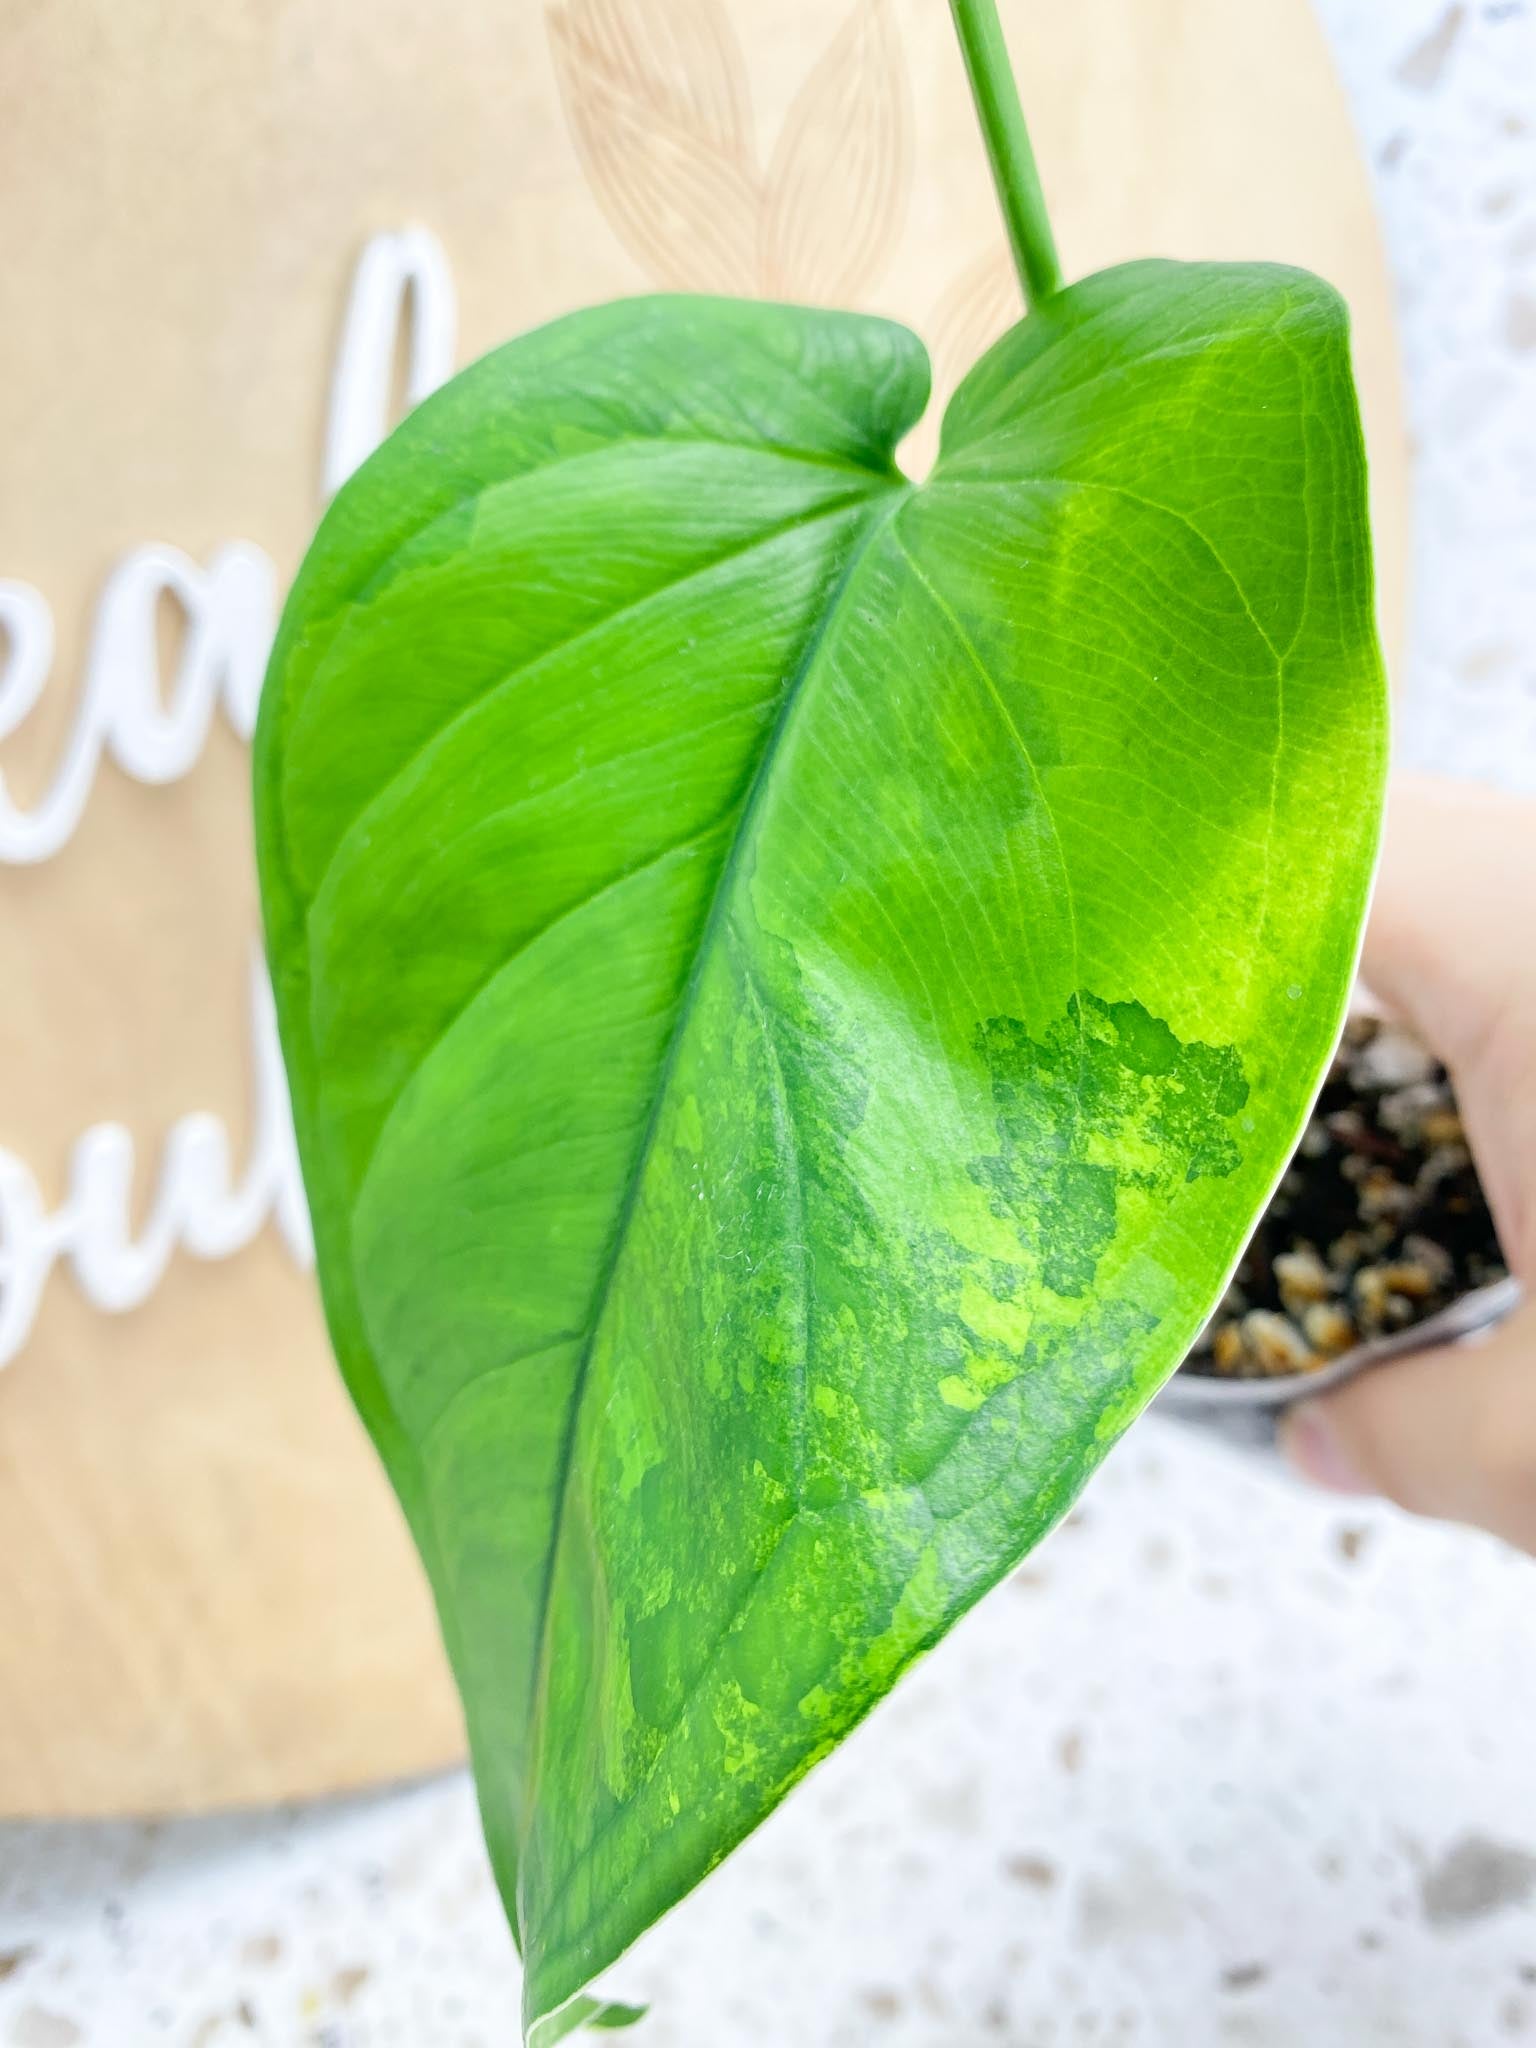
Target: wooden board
[(206, 1595)]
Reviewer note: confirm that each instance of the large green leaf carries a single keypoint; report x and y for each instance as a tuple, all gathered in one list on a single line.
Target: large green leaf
[(796, 986)]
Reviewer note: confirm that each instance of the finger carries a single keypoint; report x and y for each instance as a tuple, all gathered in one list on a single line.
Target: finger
[(1449, 1433), (1455, 888), (1444, 949)]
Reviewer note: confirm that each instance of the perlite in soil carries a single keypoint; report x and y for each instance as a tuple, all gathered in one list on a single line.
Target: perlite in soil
[(1379, 1222)]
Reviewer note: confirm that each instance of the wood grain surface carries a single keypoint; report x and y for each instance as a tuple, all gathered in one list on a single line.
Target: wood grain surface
[(206, 1595)]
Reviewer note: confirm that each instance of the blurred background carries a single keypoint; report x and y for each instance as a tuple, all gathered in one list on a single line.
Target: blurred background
[(1223, 1763)]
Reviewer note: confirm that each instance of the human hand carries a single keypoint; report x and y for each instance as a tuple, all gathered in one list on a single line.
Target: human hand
[(1451, 948)]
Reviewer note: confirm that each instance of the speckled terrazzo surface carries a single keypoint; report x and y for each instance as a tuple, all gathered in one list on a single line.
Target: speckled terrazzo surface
[(1221, 1766), (1226, 1766)]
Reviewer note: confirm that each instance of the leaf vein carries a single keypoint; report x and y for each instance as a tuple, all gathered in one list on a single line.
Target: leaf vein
[(511, 679)]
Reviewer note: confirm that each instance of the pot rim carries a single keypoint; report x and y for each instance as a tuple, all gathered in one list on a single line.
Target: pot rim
[(1468, 1316)]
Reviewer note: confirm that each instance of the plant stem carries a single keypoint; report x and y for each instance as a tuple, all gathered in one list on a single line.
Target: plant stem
[(1008, 148)]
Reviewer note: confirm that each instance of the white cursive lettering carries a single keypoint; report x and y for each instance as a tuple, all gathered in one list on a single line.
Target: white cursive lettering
[(229, 610), (199, 1205), (408, 266), (156, 733)]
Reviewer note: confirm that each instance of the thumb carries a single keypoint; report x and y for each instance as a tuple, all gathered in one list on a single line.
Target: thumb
[(1448, 1433), (1458, 877)]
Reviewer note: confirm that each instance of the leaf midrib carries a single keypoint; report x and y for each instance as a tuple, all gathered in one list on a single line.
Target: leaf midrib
[(881, 514)]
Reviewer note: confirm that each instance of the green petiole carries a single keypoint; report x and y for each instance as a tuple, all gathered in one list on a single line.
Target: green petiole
[(1008, 148)]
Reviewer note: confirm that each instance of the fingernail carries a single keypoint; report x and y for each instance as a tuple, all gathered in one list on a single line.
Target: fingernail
[(1310, 1443)]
